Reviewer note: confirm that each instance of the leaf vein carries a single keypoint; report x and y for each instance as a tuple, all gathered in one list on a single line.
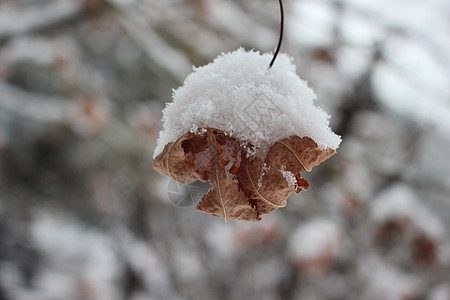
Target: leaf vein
[(259, 194), (298, 158)]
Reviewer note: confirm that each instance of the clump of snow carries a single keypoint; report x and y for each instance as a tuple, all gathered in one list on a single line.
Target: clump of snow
[(290, 178), (239, 94)]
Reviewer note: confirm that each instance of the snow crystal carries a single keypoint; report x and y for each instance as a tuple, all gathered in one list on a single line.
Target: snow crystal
[(290, 178), (239, 94), (265, 168)]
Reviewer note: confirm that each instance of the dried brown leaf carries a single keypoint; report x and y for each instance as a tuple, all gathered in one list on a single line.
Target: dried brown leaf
[(243, 187), (224, 199), (174, 162)]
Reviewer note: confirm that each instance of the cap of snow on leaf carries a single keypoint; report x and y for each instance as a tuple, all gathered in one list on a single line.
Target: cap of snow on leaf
[(248, 129), (239, 94)]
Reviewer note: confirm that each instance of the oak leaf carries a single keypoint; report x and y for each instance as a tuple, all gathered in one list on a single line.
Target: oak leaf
[(243, 187)]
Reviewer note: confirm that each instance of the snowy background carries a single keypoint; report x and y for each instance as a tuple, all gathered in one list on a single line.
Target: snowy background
[(84, 216)]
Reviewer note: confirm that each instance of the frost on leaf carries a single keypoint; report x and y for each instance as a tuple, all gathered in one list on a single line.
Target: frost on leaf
[(242, 187)]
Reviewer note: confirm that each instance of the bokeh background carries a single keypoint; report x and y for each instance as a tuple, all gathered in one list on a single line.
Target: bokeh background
[(84, 216)]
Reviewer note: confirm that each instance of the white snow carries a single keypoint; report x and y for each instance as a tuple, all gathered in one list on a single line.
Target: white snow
[(290, 178), (316, 238), (239, 94), (264, 170)]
